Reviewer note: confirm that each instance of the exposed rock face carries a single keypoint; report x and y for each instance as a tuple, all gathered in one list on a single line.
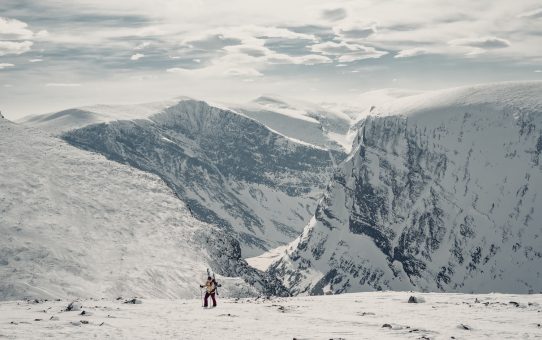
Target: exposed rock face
[(230, 170), (439, 194)]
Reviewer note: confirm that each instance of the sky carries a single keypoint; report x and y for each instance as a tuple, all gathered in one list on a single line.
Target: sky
[(57, 54)]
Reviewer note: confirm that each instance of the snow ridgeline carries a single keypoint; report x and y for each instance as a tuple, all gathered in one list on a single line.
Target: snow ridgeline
[(441, 193), (74, 224), (376, 315)]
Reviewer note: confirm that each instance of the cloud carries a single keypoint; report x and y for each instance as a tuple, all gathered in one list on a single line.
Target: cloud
[(335, 14), (346, 52), (242, 72), (137, 56), (14, 47), (537, 71), (353, 32), (62, 85), (211, 42), (5, 65), (534, 14), (36, 60), (310, 59), (142, 46), (14, 29), (482, 42), (412, 52)]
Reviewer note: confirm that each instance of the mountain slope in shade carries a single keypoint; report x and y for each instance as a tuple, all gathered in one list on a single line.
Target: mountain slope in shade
[(231, 170), (441, 193), (76, 224)]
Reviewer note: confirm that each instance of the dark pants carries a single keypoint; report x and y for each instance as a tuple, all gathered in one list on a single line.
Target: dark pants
[(212, 295)]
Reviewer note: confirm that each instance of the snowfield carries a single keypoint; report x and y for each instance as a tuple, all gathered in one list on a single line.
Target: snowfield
[(377, 315)]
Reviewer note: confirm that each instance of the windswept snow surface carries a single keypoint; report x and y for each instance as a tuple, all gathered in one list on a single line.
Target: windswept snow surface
[(75, 224), (441, 193), (378, 315)]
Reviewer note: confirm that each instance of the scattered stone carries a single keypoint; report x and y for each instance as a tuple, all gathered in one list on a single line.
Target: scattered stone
[(84, 322), (37, 319), (476, 300), (514, 303), (86, 313), (74, 306), (75, 323), (13, 323), (101, 324), (119, 298), (464, 327), (54, 318), (134, 301), (416, 299), (386, 325), (367, 313)]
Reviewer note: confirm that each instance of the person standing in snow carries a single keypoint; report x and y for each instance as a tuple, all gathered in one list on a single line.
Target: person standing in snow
[(210, 286)]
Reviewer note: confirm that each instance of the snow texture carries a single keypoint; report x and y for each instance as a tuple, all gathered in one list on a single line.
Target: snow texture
[(377, 315)]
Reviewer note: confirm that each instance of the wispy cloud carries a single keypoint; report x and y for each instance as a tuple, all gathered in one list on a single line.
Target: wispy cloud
[(482, 42), (334, 14), (62, 85), (345, 52), (137, 56), (412, 52), (14, 29), (5, 65), (14, 47), (535, 13)]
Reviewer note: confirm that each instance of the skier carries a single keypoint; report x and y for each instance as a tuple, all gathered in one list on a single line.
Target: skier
[(210, 285)]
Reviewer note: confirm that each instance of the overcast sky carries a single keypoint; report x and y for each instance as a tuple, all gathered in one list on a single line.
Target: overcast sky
[(56, 54)]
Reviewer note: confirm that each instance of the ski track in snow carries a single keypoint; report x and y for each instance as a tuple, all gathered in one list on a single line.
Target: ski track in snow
[(347, 316)]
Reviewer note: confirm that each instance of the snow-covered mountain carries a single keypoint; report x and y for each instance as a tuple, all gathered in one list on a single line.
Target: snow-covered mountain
[(442, 192), (76, 224), (58, 122), (325, 127), (230, 170)]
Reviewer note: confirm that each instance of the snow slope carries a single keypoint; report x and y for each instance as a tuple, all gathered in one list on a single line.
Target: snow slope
[(378, 315), (307, 122), (76, 224), (69, 119), (441, 193)]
